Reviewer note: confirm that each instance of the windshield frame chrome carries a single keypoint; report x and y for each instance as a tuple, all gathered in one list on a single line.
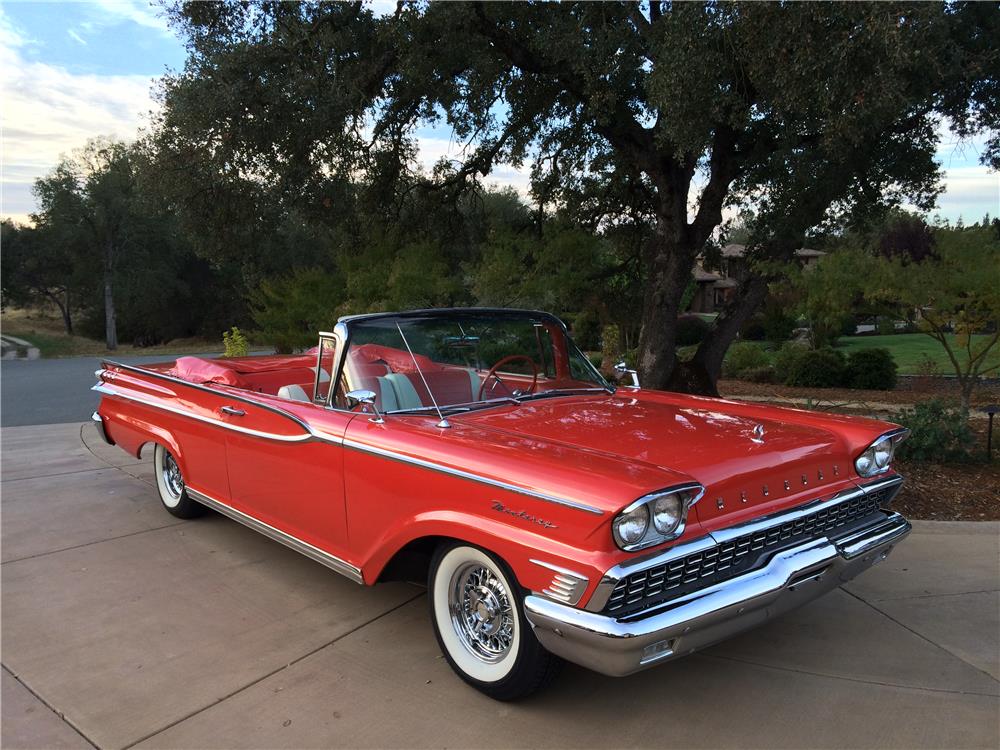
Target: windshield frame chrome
[(343, 330)]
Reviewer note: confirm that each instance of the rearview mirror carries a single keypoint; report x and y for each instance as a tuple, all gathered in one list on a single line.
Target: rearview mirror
[(366, 398), (621, 370)]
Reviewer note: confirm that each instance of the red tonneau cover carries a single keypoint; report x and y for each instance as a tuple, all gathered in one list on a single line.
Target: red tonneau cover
[(230, 371)]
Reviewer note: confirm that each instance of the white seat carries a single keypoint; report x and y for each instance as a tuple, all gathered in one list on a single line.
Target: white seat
[(324, 376), (406, 394), (293, 393)]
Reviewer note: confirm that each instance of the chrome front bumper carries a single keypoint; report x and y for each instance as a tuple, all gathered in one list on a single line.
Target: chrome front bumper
[(790, 579)]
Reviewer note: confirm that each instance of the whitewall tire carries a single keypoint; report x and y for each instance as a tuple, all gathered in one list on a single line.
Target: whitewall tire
[(170, 484), (478, 618)]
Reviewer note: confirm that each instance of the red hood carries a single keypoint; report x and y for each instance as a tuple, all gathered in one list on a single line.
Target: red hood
[(713, 441)]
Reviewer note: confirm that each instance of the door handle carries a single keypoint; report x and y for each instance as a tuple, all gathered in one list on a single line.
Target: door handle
[(232, 411)]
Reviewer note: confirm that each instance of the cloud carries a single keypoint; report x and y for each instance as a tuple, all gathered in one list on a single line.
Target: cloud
[(49, 112), (110, 12)]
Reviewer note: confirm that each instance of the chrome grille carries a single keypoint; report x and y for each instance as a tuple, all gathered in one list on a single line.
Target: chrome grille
[(653, 586)]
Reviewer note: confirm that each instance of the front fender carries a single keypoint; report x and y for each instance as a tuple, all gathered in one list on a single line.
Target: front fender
[(519, 548)]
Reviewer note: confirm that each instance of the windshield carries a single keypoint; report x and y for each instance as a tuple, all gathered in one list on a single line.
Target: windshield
[(463, 360)]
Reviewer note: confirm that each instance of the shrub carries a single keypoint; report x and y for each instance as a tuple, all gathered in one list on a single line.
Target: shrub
[(778, 324), (871, 369), (743, 357), (235, 343), (937, 434), (690, 330), (817, 368), (754, 330), (786, 359), (765, 374)]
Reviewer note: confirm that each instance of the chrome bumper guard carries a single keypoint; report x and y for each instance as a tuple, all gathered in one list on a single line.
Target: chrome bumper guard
[(99, 424), (694, 621)]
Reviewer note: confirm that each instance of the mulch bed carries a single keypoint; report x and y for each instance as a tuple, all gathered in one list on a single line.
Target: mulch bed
[(950, 492), (908, 392), (936, 492)]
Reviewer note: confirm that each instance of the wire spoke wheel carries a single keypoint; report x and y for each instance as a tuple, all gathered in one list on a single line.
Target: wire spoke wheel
[(481, 612), (172, 476)]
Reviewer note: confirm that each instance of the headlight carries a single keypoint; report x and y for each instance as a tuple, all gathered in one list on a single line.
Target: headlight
[(877, 456), (655, 518), (667, 511), (631, 527)]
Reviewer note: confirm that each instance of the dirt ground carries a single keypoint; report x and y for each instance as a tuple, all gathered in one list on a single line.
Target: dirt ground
[(937, 492)]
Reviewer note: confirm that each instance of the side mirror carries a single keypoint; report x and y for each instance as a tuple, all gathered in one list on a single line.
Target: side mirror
[(621, 370), (366, 398)]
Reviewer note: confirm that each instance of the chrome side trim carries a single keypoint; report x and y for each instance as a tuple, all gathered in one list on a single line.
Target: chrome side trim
[(611, 578), (314, 553), (233, 393), (310, 433), (102, 388), (403, 458), (566, 586)]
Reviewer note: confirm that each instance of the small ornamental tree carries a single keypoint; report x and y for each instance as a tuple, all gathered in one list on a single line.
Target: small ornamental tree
[(956, 296)]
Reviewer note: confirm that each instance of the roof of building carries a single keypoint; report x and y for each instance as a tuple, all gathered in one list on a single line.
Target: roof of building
[(738, 251), (702, 276)]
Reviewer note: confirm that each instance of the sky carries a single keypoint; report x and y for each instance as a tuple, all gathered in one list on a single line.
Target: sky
[(70, 71)]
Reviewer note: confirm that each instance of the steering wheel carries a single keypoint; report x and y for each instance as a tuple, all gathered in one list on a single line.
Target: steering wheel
[(492, 374)]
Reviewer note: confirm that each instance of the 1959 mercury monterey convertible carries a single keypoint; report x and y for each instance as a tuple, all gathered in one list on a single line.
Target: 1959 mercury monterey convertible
[(550, 513)]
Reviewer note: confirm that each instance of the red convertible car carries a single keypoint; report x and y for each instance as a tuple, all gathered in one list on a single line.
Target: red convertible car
[(551, 514)]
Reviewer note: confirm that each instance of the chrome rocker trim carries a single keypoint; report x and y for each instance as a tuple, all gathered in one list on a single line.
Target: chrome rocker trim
[(694, 621), (314, 553)]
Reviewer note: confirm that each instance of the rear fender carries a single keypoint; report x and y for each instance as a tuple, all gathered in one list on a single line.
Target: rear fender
[(131, 433)]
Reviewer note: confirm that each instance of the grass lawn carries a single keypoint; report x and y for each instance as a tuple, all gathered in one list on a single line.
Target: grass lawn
[(910, 349), (46, 332)]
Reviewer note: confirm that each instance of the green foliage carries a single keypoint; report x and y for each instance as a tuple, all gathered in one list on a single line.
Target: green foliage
[(833, 293), (817, 368), (957, 294), (611, 348), (743, 357), (690, 330), (805, 113), (871, 369), (290, 311), (235, 343), (937, 434)]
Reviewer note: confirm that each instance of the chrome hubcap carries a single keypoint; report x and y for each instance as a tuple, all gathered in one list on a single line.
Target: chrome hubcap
[(172, 476), (481, 612)]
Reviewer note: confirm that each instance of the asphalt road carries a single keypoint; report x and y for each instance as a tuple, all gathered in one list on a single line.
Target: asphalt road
[(52, 391)]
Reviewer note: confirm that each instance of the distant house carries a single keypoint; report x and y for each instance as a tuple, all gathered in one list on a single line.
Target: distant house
[(715, 288)]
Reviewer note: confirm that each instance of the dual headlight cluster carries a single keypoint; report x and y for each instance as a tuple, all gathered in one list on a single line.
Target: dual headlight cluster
[(655, 518), (878, 456)]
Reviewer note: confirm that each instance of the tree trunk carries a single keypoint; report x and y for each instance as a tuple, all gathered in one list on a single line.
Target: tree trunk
[(701, 374), (67, 319), (670, 265), (110, 325), (63, 305)]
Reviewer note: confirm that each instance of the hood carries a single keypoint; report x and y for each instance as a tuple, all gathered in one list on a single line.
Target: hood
[(745, 457)]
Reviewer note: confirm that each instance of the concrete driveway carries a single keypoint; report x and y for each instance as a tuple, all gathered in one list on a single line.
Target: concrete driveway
[(124, 627)]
